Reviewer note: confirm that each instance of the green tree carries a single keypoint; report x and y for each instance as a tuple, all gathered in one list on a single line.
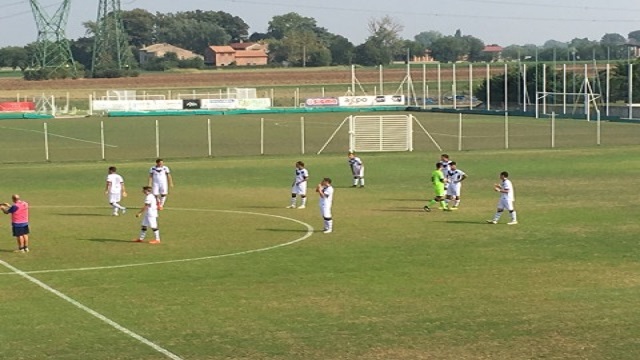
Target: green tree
[(385, 33), (82, 50), (620, 81), (449, 49), (282, 25), (475, 48), (300, 48), (140, 26), (191, 34), (371, 54), (342, 50), (15, 57), (426, 38), (634, 35)]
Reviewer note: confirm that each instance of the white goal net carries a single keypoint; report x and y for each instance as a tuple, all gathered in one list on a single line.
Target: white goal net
[(381, 133)]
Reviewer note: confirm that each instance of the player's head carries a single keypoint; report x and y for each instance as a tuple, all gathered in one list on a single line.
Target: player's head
[(504, 175), (326, 181), (15, 197), (444, 157), (146, 189), (453, 165), (299, 164), (112, 169), (351, 155), (159, 162), (438, 165)]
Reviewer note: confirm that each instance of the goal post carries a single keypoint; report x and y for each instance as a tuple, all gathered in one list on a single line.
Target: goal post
[(380, 133)]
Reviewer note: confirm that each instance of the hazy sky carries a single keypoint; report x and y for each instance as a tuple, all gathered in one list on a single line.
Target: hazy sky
[(503, 22)]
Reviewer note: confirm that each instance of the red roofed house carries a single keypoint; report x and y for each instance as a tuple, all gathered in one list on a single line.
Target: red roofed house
[(494, 51), (219, 55), (240, 54)]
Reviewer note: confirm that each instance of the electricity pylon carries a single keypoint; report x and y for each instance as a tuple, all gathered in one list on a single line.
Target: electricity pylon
[(52, 46), (111, 50)]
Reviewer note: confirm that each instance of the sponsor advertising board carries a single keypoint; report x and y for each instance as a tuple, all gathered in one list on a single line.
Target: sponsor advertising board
[(380, 100), (324, 101), (17, 106)]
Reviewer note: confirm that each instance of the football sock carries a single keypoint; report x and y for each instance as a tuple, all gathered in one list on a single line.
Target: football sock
[(293, 200), (457, 203), (514, 216), (431, 202), (361, 181), (355, 181), (156, 233), (143, 234), (444, 204), (303, 201), (496, 217)]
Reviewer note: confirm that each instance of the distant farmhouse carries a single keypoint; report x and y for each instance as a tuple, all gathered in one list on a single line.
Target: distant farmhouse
[(159, 50), (239, 54), (494, 52)]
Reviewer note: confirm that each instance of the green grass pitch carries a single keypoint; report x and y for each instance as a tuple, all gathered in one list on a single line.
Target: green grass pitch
[(391, 281)]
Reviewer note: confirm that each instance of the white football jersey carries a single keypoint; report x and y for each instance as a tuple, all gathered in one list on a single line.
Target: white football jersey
[(510, 195), (301, 175), (327, 200), (445, 167), (356, 164), (159, 174), (116, 183), (455, 176), (152, 202)]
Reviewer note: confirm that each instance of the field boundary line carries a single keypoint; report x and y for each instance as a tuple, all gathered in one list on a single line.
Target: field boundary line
[(92, 312), (308, 234)]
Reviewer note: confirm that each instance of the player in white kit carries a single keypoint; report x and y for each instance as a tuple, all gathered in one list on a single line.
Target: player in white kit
[(507, 198), (115, 190), (299, 186), (357, 169), (160, 180), (150, 219), (455, 177), (325, 190)]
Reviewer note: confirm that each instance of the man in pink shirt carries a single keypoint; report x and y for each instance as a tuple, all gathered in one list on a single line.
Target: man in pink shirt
[(19, 221)]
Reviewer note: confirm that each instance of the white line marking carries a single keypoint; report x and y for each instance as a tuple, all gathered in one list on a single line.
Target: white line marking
[(309, 232), (57, 135), (96, 314)]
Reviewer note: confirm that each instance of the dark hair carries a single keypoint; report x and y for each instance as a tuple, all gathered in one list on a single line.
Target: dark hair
[(328, 180), (158, 160), (438, 165), (453, 163), (445, 156), (146, 188), (112, 168), (505, 174), (301, 163)]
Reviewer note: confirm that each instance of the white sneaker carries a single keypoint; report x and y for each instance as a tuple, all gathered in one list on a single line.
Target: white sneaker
[(291, 207), (115, 214), (491, 222), (124, 211), (514, 222), (327, 231), (301, 207)]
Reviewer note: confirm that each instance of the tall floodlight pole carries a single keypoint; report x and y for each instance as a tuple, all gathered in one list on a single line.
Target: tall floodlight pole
[(111, 50), (52, 46)]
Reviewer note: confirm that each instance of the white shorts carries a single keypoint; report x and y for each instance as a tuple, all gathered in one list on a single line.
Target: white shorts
[(114, 198), (505, 204), (358, 172), (325, 211), (159, 189), (300, 189), (150, 221), (454, 189)]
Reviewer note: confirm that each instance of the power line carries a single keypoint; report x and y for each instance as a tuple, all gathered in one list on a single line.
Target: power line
[(550, 5), (445, 15)]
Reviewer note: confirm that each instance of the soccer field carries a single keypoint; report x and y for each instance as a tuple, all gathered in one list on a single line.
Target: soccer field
[(238, 276)]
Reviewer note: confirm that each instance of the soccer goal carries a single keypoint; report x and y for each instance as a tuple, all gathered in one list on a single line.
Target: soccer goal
[(379, 133)]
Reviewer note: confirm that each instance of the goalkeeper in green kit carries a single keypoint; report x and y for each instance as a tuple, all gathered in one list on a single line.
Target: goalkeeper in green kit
[(438, 180)]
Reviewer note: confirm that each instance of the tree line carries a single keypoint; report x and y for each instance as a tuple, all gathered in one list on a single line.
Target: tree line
[(296, 40)]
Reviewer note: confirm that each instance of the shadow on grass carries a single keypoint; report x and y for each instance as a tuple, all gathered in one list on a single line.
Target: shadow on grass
[(415, 200), (109, 240), (263, 207), (79, 214), (465, 222), (407, 209), (284, 230)]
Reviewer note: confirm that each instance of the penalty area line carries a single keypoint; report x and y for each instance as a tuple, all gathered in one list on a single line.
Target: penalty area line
[(92, 312)]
